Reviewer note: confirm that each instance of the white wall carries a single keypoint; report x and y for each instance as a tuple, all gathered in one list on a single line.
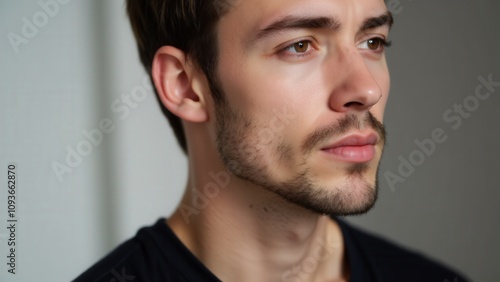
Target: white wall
[(46, 89), (58, 83), (68, 76)]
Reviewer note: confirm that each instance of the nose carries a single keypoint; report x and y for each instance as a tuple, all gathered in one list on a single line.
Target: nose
[(356, 88)]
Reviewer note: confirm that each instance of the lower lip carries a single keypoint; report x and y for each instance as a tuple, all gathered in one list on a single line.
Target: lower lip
[(354, 154)]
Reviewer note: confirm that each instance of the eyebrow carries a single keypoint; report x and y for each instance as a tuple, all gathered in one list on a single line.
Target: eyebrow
[(327, 23), (295, 22), (385, 19)]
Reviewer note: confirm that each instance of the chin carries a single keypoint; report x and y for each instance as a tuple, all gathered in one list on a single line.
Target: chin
[(353, 195)]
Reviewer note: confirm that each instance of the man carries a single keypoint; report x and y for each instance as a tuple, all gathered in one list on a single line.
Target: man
[(278, 105)]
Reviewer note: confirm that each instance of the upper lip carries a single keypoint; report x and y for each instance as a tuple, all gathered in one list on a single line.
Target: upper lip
[(354, 139)]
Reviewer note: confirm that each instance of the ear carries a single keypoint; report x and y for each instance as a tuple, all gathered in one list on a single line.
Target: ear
[(173, 77)]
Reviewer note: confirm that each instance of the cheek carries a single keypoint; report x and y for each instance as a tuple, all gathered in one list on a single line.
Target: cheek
[(274, 107), (261, 92)]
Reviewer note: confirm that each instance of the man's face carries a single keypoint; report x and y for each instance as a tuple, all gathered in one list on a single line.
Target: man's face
[(305, 85)]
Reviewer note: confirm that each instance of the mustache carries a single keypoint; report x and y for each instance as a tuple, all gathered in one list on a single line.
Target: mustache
[(347, 123)]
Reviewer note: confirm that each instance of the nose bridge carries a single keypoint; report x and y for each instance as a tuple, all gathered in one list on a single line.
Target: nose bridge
[(357, 89)]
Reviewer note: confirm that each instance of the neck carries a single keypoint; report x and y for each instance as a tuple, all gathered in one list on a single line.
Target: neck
[(243, 232)]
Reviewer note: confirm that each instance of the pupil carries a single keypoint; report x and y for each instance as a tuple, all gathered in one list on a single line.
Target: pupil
[(373, 44), (300, 47)]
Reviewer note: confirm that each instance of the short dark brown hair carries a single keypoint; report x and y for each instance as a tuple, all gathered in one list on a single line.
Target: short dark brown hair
[(189, 25)]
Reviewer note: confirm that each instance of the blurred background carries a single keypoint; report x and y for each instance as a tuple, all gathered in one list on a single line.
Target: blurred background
[(96, 160)]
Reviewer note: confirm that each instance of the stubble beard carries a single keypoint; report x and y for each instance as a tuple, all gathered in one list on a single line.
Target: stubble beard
[(244, 157)]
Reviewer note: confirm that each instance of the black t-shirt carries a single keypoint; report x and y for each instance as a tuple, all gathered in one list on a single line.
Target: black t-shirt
[(156, 254)]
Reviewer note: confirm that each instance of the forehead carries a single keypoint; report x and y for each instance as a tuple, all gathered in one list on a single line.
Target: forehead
[(248, 15)]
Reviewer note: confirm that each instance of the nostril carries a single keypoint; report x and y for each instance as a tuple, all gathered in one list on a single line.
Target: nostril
[(351, 104)]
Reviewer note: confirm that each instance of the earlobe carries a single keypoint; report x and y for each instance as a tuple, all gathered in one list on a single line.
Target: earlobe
[(173, 76)]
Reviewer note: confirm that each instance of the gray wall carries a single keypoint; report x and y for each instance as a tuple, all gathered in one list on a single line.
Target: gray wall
[(448, 205), (77, 70)]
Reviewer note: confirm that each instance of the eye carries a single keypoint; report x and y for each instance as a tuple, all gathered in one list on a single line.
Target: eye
[(376, 44), (297, 49), (300, 47)]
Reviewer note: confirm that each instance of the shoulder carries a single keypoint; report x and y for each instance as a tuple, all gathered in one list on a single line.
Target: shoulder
[(138, 259), (119, 263), (392, 262)]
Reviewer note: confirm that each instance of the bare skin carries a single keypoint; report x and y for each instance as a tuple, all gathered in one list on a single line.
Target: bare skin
[(246, 229)]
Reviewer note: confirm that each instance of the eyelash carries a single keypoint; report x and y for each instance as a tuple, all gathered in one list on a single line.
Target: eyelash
[(386, 43), (283, 51), (383, 44)]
